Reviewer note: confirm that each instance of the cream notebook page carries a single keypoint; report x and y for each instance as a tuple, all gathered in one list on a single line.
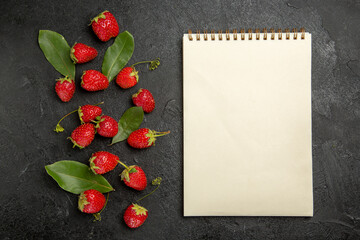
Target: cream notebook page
[(247, 126)]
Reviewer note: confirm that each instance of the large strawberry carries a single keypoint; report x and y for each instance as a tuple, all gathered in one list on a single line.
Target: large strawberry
[(87, 113), (91, 201), (81, 53), (129, 77), (107, 126), (83, 135), (134, 177), (135, 215), (102, 162), (143, 98), (93, 80), (65, 88), (105, 26), (144, 137)]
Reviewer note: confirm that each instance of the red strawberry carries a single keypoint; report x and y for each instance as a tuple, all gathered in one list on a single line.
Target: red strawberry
[(107, 126), (81, 53), (144, 137), (65, 88), (105, 26), (83, 135), (135, 215), (103, 162), (127, 77), (93, 80), (143, 98), (91, 201), (134, 177), (88, 113)]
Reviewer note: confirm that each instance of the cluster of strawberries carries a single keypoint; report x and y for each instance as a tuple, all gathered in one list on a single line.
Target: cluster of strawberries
[(92, 201)]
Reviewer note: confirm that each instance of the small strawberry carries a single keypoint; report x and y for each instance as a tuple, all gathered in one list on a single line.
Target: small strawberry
[(134, 177), (102, 162), (128, 77), (105, 26), (135, 215), (87, 113), (143, 98), (65, 88), (93, 80), (144, 137), (106, 126), (81, 53), (91, 201), (83, 135)]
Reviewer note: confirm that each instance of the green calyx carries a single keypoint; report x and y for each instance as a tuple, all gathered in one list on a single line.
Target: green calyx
[(75, 144), (66, 78), (82, 202), (139, 210), (152, 135), (72, 55), (136, 94), (92, 165), (126, 172), (135, 73), (98, 120), (80, 115), (100, 16)]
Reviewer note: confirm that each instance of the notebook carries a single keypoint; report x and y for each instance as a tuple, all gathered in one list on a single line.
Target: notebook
[(247, 123)]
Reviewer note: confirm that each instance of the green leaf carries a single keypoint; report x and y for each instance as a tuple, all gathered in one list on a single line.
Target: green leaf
[(76, 177), (57, 52), (129, 122), (117, 55)]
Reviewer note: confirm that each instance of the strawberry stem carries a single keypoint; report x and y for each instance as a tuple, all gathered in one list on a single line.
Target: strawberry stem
[(156, 181), (60, 128), (124, 165), (152, 66), (159, 134)]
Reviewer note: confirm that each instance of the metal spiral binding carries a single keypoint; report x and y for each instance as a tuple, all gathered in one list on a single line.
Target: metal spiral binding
[(250, 34)]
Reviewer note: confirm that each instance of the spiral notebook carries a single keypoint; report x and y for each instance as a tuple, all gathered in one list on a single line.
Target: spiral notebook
[(247, 123)]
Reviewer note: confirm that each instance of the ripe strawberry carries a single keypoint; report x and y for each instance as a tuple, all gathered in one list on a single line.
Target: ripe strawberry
[(127, 77), (107, 126), (81, 53), (143, 98), (103, 162), (134, 177), (83, 135), (144, 137), (93, 80), (65, 88), (88, 113), (105, 26), (135, 215), (91, 201)]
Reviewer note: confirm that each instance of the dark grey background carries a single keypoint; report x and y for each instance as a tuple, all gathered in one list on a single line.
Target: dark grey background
[(32, 206)]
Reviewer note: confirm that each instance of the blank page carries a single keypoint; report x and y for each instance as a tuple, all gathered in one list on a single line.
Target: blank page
[(247, 126)]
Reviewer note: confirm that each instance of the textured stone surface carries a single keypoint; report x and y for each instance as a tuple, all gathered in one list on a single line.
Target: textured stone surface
[(32, 206)]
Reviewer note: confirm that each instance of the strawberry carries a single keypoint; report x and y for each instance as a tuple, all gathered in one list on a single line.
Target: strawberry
[(106, 126), (81, 53), (135, 215), (103, 162), (105, 26), (144, 137), (134, 177), (65, 88), (93, 80), (143, 98), (127, 77), (83, 135), (91, 201), (88, 113)]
